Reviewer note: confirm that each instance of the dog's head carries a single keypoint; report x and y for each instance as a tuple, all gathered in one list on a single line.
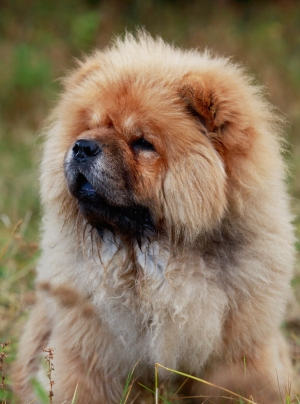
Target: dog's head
[(152, 139)]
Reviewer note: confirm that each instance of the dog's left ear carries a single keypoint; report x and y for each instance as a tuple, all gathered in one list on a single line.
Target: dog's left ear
[(228, 107), (199, 100)]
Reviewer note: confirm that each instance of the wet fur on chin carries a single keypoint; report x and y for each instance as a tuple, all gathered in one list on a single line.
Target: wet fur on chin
[(209, 287)]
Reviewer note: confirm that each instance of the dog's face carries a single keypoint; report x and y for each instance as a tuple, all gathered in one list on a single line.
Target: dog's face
[(147, 151), (142, 161)]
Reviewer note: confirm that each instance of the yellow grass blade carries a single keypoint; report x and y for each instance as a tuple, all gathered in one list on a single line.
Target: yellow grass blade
[(74, 396), (205, 382), (11, 237), (177, 391), (129, 390)]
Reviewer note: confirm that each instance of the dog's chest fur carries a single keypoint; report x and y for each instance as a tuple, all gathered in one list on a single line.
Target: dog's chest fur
[(153, 306)]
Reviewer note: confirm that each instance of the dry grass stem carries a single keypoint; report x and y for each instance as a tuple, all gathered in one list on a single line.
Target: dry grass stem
[(3, 356), (49, 358)]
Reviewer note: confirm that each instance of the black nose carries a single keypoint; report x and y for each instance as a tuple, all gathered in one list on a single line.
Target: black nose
[(84, 149)]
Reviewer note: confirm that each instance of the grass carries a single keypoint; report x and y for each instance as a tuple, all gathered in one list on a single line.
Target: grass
[(239, 398), (38, 43)]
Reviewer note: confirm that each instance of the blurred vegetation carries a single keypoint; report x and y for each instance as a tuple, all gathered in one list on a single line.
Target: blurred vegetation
[(39, 40)]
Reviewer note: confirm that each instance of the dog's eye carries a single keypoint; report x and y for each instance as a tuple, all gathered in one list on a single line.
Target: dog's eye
[(142, 144)]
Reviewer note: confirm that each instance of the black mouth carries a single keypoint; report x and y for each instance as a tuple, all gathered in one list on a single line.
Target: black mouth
[(135, 220), (85, 188)]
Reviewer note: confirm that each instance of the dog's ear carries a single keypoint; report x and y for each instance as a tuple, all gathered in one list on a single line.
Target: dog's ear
[(230, 109), (199, 100)]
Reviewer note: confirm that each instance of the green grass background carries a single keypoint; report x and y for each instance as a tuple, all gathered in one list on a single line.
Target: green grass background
[(39, 41)]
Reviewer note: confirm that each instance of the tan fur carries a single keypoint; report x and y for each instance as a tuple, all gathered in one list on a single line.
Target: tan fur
[(211, 288)]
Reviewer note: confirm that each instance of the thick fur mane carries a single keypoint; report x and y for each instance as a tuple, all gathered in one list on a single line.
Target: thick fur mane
[(222, 254)]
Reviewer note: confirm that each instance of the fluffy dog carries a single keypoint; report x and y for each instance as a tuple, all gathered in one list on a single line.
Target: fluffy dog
[(166, 229)]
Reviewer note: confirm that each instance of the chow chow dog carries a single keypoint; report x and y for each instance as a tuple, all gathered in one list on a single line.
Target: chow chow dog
[(166, 235)]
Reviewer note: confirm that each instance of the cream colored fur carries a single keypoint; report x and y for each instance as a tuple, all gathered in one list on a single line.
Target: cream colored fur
[(212, 288)]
